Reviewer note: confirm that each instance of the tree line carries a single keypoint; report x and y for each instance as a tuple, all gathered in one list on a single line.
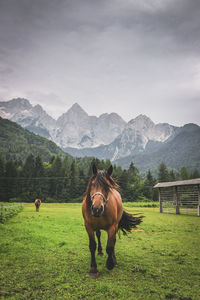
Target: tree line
[(65, 179)]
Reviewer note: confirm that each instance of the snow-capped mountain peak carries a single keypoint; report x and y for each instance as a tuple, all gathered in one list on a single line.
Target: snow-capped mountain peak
[(141, 122), (14, 106), (77, 108), (76, 129)]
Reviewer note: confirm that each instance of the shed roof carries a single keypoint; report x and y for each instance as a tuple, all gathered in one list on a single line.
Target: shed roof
[(177, 183)]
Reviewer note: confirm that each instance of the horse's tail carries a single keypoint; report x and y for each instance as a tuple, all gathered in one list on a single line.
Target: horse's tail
[(128, 222)]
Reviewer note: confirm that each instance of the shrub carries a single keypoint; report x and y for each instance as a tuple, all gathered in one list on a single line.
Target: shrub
[(8, 210), (16, 199)]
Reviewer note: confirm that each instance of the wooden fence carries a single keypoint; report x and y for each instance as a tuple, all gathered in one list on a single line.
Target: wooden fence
[(180, 196)]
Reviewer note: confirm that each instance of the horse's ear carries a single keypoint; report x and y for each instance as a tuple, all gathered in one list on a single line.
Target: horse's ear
[(110, 170), (94, 169)]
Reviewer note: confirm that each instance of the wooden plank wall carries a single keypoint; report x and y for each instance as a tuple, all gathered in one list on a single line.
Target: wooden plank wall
[(180, 199)]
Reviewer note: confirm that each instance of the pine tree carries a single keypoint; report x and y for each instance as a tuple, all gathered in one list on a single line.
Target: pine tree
[(150, 178), (28, 169), (40, 185), (57, 184), (133, 173), (195, 174), (2, 179), (163, 174), (83, 177), (65, 196), (2, 167), (134, 187), (172, 176), (10, 184), (184, 173), (39, 168), (74, 180), (148, 185), (56, 169), (27, 180)]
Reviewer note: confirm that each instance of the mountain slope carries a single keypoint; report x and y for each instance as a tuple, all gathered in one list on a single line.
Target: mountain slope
[(75, 128), (79, 130), (33, 118), (183, 149), (109, 136), (138, 135), (17, 143)]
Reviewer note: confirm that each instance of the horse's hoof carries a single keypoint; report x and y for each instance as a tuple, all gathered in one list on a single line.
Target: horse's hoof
[(94, 273), (110, 264), (115, 262), (100, 254)]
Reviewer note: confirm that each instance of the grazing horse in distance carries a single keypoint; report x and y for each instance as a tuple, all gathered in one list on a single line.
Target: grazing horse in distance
[(102, 209), (37, 204)]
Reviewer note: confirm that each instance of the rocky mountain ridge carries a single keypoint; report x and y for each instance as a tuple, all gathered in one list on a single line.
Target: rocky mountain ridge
[(109, 136), (74, 128), (139, 135), (106, 136), (182, 149)]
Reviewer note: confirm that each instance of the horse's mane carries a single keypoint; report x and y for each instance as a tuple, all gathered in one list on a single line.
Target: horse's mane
[(100, 180)]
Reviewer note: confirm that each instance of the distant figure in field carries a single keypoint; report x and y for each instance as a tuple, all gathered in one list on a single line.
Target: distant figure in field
[(37, 204)]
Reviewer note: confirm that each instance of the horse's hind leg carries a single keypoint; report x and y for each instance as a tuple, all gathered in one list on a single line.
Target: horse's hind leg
[(98, 234)]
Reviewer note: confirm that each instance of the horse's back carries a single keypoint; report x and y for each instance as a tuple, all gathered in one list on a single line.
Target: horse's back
[(37, 201), (117, 197)]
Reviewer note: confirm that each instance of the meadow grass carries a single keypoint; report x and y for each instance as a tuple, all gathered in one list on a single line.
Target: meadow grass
[(45, 255)]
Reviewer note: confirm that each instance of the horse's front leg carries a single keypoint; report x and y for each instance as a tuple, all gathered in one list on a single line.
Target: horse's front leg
[(98, 234), (92, 246), (110, 248)]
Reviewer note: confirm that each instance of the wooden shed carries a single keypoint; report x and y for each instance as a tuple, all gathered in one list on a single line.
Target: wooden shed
[(179, 196)]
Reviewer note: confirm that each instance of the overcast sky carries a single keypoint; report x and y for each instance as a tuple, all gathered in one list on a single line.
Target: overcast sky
[(126, 56)]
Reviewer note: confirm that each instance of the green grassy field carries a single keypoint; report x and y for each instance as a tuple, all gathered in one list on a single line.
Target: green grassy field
[(45, 255)]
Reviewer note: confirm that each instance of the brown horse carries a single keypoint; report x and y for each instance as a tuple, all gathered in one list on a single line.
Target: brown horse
[(102, 209), (37, 204)]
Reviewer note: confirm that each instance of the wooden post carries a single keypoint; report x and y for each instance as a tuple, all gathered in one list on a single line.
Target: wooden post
[(160, 201), (198, 207), (176, 198)]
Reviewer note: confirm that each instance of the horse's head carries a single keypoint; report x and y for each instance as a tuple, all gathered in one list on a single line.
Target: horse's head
[(100, 184)]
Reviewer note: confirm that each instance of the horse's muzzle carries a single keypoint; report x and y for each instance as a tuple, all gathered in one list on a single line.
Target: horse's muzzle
[(97, 211)]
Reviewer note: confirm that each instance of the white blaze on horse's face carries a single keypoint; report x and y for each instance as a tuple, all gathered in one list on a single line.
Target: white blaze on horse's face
[(97, 207)]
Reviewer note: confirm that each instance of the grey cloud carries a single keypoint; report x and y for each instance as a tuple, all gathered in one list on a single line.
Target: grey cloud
[(140, 52)]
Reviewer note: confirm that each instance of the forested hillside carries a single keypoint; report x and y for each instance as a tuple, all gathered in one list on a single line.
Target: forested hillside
[(32, 167), (65, 180), (17, 143)]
